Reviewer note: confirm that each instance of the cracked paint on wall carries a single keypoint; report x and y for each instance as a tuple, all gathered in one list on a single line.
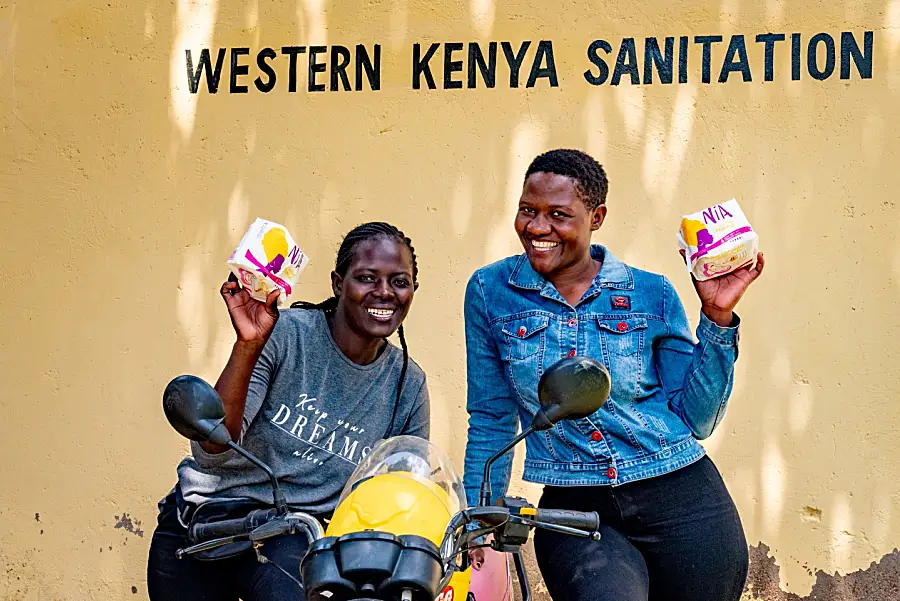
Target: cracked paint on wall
[(125, 522), (878, 582)]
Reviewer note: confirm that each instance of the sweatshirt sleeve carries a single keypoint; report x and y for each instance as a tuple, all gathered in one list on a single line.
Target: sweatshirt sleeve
[(419, 422)]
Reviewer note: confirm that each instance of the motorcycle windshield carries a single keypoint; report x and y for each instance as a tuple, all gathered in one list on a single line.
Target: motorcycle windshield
[(414, 458)]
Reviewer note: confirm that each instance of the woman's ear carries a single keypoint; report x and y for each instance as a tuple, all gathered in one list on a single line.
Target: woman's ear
[(337, 283), (598, 215)]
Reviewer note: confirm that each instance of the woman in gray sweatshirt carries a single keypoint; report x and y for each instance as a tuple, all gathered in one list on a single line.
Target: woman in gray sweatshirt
[(309, 390)]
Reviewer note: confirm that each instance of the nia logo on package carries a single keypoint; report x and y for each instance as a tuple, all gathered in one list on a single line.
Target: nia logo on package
[(717, 240)]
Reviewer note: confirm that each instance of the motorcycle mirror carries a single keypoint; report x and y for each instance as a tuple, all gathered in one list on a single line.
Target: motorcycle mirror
[(194, 409), (573, 388)]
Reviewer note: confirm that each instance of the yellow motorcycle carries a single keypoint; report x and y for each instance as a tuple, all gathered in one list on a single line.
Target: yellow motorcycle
[(401, 530)]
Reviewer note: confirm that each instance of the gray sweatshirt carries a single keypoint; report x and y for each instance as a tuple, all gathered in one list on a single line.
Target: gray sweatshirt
[(312, 415)]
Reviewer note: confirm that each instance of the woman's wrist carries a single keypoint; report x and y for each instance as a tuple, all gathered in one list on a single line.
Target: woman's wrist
[(248, 348), (721, 318)]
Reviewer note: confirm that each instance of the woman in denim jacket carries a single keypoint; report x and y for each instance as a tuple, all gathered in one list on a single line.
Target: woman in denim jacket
[(670, 530)]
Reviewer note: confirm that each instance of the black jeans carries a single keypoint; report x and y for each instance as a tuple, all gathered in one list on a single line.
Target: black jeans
[(676, 537), (239, 577)]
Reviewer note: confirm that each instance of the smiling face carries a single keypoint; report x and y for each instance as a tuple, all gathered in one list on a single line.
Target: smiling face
[(553, 223), (376, 292)]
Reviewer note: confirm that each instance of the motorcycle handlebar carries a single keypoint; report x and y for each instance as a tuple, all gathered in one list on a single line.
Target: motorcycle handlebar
[(582, 520)]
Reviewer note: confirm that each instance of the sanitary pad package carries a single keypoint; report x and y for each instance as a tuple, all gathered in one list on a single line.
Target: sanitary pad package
[(717, 240), (268, 258)]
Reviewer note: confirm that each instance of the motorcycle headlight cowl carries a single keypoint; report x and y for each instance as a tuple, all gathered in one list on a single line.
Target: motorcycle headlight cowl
[(376, 563)]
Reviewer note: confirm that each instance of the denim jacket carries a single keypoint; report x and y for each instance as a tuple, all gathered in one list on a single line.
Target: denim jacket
[(667, 392)]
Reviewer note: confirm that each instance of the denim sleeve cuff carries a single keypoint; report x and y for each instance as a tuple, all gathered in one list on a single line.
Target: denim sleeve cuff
[(725, 336)]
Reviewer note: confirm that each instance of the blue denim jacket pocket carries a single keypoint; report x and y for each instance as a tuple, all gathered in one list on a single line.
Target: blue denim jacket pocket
[(524, 335), (525, 341), (623, 336), (622, 343)]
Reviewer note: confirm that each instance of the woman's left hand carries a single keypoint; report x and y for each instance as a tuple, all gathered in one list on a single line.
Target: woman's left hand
[(720, 295)]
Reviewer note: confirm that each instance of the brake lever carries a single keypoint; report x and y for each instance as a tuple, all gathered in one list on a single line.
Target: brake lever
[(276, 527), (210, 544), (470, 536)]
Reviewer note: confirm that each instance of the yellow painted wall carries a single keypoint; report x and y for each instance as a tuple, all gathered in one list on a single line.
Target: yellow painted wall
[(122, 194)]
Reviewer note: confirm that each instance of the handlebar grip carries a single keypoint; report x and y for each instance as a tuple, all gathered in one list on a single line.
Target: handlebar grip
[(235, 527), (205, 532), (582, 520)]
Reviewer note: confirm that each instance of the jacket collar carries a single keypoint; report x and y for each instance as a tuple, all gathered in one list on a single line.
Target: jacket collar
[(613, 273)]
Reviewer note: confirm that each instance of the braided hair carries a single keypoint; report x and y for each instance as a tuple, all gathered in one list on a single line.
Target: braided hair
[(361, 233)]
